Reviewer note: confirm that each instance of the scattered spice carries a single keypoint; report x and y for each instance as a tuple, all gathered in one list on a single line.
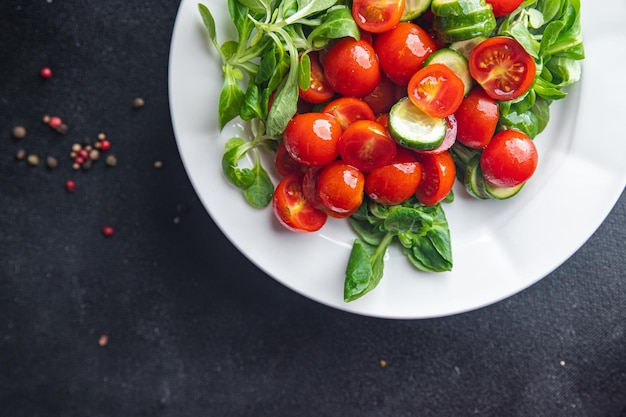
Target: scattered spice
[(105, 145), (20, 154), (33, 159), (62, 129), (111, 160), (102, 136), (158, 164), (383, 363), (19, 132), (54, 122), (138, 102), (45, 73), (108, 231), (52, 162), (103, 340), (94, 154), (70, 186)]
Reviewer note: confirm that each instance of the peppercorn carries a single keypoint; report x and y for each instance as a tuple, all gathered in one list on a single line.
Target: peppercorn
[(54, 122), (52, 162), (70, 186), (19, 132), (20, 154), (108, 231), (33, 160), (45, 72), (105, 145), (111, 160), (158, 164), (138, 102)]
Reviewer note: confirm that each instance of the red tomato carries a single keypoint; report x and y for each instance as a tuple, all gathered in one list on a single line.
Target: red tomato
[(397, 182), (285, 164), (436, 90), (311, 138), (509, 159), (504, 7), (340, 187), (319, 89), (348, 110), (383, 97), (351, 67), (291, 208), (309, 187), (477, 118), (366, 145), (448, 140), (377, 16), (502, 67), (438, 178), (402, 51)]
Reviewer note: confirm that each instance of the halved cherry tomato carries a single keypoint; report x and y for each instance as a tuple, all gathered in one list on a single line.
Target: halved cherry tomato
[(351, 67), (348, 110), (502, 67), (436, 90), (311, 138), (340, 187), (377, 16), (397, 182), (382, 97), (438, 177), (509, 159), (504, 7), (292, 209), (402, 51), (477, 118), (366, 145), (285, 164), (319, 89)]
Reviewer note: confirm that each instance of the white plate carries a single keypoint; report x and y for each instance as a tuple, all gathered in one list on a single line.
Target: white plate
[(499, 247)]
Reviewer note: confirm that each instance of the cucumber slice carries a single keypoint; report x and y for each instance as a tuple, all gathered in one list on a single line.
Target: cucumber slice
[(414, 129), (456, 7), (474, 181), (414, 9), (465, 47), (454, 28), (456, 62), (502, 193)]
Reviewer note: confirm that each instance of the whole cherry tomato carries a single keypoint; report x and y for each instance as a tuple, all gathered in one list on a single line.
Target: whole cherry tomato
[(509, 159), (351, 67), (382, 97), (504, 7), (285, 164), (397, 182), (377, 16), (477, 118), (366, 144), (436, 90), (438, 177), (340, 188), (292, 209), (311, 138)]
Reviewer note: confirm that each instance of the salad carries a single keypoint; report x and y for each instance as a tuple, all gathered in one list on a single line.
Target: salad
[(374, 109)]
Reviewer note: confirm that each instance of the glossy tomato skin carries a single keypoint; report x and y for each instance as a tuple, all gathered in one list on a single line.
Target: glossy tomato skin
[(436, 90), (319, 89), (311, 138), (509, 159), (340, 188), (292, 209), (403, 50), (439, 174), (477, 119), (502, 67), (351, 67), (504, 7), (397, 182), (309, 187), (366, 145), (348, 110), (383, 97), (377, 16), (285, 164)]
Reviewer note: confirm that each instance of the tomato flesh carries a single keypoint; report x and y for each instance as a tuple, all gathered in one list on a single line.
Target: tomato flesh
[(502, 67), (366, 145), (436, 90), (340, 188), (509, 159), (377, 16), (438, 177), (292, 209), (351, 67), (477, 119), (348, 110), (311, 138)]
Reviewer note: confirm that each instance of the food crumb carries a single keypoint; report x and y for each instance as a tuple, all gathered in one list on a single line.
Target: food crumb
[(383, 363), (103, 340)]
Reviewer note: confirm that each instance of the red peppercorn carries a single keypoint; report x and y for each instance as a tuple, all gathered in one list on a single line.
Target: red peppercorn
[(108, 231), (79, 160), (45, 72), (55, 122), (70, 186), (105, 145)]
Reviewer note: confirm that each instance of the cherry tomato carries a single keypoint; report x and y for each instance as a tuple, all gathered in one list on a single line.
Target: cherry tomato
[(340, 188), (509, 159), (309, 187), (504, 7), (351, 67), (366, 145), (377, 16), (438, 177), (285, 164), (477, 118), (502, 67), (319, 89), (311, 138), (348, 110), (382, 97), (292, 209), (397, 182), (436, 90), (402, 51)]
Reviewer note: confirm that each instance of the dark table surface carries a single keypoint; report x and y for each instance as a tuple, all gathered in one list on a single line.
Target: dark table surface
[(167, 318)]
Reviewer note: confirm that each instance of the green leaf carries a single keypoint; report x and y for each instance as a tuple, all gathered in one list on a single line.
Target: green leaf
[(231, 98), (259, 193), (259, 6), (267, 66), (404, 220), (337, 23), (308, 8), (252, 104), (304, 72), (365, 268), (240, 177), (369, 232), (209, 23)]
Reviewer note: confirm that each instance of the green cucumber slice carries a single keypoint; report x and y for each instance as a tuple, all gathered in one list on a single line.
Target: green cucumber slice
[(414, 9), (474, 181), (454, 28), (502, 193), (456, 62), (412, 128), (456, 7)]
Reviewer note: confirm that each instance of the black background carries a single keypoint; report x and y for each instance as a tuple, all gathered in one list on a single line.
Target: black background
[(194, 329)]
